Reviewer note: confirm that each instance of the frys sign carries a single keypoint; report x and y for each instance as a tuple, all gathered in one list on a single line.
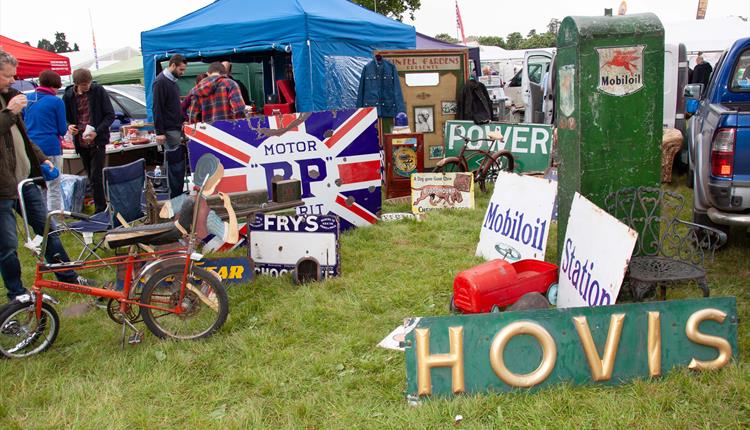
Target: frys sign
[(530, 144), (335, 155), (602, 345), (278, 242)]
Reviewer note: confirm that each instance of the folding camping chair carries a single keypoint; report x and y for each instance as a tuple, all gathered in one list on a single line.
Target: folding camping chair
[(123, 188)]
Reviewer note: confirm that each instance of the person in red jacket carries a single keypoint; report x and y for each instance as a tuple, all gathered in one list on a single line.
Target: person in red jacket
[(217, 98)]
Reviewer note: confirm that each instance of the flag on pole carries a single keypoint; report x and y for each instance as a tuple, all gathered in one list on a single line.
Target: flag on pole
[(460, 24), (93, 39)]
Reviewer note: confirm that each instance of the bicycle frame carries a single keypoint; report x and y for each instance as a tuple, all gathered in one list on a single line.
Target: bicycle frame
[(124, 297)]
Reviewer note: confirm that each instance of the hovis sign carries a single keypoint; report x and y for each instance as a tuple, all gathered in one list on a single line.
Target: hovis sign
[(602, 345)]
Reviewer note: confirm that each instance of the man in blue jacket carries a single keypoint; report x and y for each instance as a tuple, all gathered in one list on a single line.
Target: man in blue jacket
[(87, 103)]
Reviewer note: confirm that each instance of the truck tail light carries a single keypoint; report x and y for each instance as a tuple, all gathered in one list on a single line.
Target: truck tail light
[(722, 153)]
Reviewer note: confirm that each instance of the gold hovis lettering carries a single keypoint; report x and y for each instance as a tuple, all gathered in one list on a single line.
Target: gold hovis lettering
[(598, 367)]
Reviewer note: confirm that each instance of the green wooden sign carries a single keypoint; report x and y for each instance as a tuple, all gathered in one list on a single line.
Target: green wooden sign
[(598, 345), (530, 143)]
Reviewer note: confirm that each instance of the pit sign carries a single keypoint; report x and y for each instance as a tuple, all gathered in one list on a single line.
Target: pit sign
[(595, 256), (517, 222), (335, 155)]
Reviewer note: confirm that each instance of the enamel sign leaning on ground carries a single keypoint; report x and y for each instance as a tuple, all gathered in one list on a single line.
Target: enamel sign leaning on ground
[(595, 256), (431, 191), (509, 351), (517, 222), (335, 155), (279, 242)]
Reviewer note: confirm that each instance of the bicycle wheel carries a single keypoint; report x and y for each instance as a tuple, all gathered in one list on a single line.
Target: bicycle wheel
[(502, 161), (451, 166), (205, 304), (22, 334)]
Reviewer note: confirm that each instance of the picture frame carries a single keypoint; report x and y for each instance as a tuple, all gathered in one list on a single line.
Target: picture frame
[(436, 152), (449, 107), (424, 119)]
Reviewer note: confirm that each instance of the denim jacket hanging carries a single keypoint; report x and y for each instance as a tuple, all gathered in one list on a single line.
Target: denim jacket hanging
[(380, 87)]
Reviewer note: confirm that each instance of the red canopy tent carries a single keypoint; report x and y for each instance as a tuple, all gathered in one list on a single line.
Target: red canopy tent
[(31, 61)]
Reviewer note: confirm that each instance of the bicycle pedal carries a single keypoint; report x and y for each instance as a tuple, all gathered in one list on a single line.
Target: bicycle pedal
[(135, 338)]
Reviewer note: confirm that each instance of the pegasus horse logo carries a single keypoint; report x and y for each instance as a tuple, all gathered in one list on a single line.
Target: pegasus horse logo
[(624, 59)]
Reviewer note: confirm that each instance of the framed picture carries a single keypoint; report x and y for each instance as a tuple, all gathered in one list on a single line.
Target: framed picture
[(449, 108), (424, 119), (436, 152)]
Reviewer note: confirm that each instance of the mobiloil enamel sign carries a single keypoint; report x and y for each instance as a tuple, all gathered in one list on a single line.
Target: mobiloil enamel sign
[(335, 155), (620, 69), (516, 225), (595, 255)]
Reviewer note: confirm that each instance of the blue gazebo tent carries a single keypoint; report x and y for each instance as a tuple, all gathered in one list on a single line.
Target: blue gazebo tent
[(329, 42)]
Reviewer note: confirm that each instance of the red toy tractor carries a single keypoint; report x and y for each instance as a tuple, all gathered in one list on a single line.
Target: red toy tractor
[(496, 284)]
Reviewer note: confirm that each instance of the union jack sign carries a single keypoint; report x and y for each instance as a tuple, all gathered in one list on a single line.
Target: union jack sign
[(335, 155)]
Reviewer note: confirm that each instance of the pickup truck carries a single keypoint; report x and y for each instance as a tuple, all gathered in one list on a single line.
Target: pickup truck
[(718, 139)]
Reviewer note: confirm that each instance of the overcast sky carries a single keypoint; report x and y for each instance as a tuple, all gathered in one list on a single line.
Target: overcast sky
[(119, 24)]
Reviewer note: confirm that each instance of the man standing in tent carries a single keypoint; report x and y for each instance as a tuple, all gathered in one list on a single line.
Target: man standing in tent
[(217, 98), (167, 110), (167, 114)]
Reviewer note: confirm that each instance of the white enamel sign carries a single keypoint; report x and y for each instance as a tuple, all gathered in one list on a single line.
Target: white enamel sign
[(516, 225), (620, 69), (594, 257)]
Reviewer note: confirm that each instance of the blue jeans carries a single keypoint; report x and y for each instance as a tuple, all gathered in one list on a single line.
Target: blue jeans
[(36, 211), (10, 267)]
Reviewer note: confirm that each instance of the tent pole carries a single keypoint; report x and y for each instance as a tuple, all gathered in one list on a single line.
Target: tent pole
[(273, 77)]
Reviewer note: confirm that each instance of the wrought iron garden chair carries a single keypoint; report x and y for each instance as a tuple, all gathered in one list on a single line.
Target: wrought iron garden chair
[(669, 251)]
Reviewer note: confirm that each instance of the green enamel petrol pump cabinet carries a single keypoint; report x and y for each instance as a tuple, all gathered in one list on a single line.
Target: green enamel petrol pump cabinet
[(610, 79)]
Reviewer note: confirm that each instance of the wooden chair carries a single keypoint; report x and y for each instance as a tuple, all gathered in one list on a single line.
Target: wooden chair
[(669, 251)]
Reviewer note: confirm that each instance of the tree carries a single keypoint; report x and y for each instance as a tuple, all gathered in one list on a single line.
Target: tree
[(514, 40), (61, 45), (531, 34), (553, 26), (393, 8), (445, 37), (46, 45), (27, 43), (544, 40), (75, 47), (491, 41)]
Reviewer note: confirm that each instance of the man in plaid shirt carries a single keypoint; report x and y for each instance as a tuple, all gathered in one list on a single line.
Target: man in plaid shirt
[(216, 98)]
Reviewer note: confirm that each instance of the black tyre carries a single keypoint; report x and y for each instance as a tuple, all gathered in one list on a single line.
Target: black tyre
[(205, 307), (22, 334), (450, 166), (500, 162)]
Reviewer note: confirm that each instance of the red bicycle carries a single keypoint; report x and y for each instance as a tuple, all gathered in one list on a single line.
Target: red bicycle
[(165, 289)]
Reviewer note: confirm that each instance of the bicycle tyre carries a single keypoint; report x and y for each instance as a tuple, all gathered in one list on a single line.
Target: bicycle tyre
[(18, 324), (449, 167), (501, 161), (163, 289)]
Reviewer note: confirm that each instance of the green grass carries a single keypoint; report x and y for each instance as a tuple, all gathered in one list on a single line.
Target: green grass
[(306, 356)]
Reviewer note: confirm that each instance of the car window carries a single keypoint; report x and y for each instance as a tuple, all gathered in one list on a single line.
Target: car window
[(132, 108), (741, 73)]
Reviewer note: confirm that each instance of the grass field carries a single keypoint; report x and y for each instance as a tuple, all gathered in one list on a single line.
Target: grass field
[(306, 357)]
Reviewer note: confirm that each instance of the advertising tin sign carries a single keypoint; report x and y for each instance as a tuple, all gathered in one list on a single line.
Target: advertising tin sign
[(278, 242), (620, 69), (335, 155)]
